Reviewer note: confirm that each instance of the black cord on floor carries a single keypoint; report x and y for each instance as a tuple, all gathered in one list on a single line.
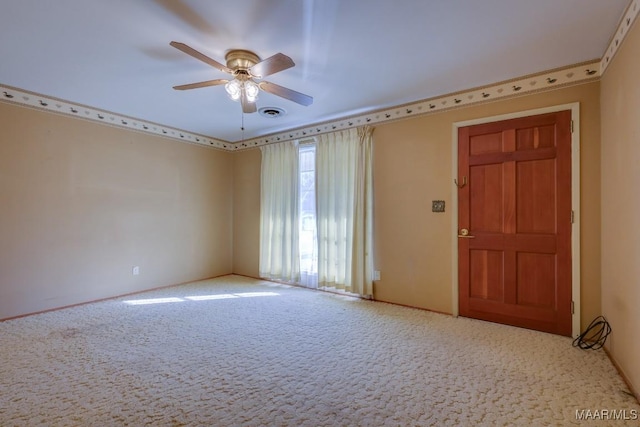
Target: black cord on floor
[(594, 337)]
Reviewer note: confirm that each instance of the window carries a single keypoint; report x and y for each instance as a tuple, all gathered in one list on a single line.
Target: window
[(316, 212), (308, 234)]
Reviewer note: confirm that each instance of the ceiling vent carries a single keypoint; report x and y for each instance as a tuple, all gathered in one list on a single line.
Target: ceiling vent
[(271, 112)]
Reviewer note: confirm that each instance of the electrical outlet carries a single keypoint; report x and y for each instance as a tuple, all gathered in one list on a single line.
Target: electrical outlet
[(376, 275), (136, 270)]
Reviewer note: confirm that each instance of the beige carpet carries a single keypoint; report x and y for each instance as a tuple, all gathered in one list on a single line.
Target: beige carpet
[(239, 352)]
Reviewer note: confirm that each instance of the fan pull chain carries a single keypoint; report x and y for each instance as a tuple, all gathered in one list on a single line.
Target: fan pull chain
[(242, 126)]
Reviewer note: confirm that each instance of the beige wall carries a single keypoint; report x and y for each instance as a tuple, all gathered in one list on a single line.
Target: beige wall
[(82, 203), (412, 167), (246, 212), (620, 100)]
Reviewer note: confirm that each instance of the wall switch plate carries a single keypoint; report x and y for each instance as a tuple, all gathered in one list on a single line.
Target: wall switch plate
[(437, 206), (136, 270), (376, 275)]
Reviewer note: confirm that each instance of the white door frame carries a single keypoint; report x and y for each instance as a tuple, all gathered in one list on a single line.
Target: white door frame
[(575, 201)]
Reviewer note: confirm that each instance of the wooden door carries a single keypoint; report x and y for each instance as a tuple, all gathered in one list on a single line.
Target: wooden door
[(515, 261)]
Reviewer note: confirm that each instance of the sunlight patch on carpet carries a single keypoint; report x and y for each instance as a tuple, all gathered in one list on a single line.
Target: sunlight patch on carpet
[(199, 298)]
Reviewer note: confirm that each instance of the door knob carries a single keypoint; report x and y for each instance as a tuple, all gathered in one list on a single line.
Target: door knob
[(465, 233)]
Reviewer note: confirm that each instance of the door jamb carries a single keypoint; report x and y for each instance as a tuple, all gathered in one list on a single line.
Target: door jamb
[(575, 201)]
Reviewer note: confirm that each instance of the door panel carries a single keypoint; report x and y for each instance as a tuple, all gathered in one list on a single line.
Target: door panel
[(515, 264), (535, 137), (487, 267), (536, 273), (536, 200), (483, 144), (486, 182)]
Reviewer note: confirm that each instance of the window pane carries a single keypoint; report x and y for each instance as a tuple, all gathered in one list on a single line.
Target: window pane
[(308, 239)]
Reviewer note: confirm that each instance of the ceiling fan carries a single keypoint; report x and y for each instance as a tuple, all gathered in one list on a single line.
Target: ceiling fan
[(245, 67)]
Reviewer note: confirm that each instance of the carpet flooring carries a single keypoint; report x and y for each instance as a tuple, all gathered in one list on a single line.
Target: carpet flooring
[(234, 351)]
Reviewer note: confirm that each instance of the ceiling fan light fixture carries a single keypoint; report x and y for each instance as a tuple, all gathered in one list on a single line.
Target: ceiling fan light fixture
[(251, 89), (234, 89)]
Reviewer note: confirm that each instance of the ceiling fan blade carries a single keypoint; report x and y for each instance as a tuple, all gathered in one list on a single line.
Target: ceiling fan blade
[(201, 84), (247, 106), (271, 65), (204, 58), (286, 93)]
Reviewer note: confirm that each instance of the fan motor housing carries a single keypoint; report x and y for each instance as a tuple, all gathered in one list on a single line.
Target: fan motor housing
[(239, 59)]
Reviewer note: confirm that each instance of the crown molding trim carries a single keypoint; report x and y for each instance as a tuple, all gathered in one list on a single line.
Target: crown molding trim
[(618, 37)]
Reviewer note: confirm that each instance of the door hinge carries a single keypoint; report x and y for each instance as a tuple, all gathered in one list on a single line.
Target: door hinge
[(571, 126), (573, 217), (573, 308)]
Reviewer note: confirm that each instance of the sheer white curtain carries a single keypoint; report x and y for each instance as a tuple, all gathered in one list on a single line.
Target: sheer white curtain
[(363, 222), (344, 210), (279, 223)]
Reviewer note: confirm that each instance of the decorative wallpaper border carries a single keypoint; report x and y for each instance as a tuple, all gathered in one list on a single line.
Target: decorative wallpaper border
[(548, 80), (623, 28), (42, 102)]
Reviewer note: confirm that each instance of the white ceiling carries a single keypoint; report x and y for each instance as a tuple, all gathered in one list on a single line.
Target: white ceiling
[(352, 56)]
